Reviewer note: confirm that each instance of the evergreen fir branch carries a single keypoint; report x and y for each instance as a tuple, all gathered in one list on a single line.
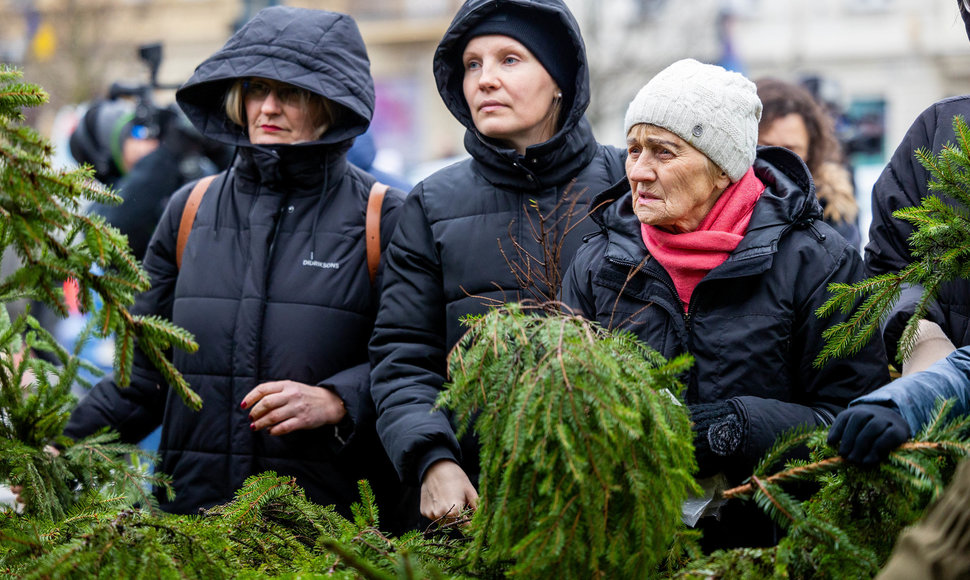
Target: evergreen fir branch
[(363, 567), (815, 469), (943, 427), (783, 447), (172, 376), (365, 511), (557, 400), (848, 337), (796, 473), (940, 245), (776, 503), (16, 96)]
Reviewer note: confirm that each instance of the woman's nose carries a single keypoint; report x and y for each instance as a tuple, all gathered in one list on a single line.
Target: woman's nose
[(487, 77), (272, 102), (642, 169)]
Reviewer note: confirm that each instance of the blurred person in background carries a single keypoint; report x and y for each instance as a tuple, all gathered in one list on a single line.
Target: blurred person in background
[(143, 166), (715, 247), (515, 74), (274, 280), (364, 152), (793, 119)]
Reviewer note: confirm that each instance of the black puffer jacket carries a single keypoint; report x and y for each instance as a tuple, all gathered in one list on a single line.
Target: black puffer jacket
[(904, 183), (273, 284), (751, 324), (446, 259)]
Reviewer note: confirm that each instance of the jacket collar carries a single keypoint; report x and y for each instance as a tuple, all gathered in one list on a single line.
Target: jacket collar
[(295, 170), (548, 164)]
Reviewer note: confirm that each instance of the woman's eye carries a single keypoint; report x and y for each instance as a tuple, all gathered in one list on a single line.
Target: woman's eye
[(510, 60), (256, 89), (472, 65)]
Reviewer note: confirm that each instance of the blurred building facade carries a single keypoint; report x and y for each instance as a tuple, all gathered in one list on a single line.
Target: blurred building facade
[(878, 63)]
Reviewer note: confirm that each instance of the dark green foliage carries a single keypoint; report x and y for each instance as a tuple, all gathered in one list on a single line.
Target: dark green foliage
[(586, 453), (41, 221), (940, 246), (268, 530)]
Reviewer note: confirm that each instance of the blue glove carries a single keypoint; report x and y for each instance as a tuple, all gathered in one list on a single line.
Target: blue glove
[(866, 434)]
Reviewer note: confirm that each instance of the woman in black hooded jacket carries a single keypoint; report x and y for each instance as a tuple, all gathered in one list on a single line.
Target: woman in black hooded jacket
[(514, 73), (273, 283)]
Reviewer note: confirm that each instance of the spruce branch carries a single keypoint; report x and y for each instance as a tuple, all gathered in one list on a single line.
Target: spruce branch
[(940, 246), (571, 418)]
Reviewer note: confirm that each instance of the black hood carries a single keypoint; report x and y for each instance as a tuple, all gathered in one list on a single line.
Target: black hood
[(317, 50), (449, 72), (559, 157)]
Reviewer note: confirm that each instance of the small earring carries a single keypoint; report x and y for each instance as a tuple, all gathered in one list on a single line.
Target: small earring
[(559, 95)]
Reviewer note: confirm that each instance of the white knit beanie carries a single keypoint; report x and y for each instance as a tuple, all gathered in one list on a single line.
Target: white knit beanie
[(715, 110)]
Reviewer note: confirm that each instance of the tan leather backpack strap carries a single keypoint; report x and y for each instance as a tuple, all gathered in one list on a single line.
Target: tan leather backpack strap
[(372, 227), (188, 216)]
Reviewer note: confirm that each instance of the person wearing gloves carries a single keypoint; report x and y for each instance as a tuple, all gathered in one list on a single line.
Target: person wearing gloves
[(515, 74), (274, 280), (876, 424), (717, 248), (879, 422)]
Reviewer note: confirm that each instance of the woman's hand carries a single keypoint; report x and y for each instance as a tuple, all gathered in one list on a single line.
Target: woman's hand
[(446, 490), (285, 406)]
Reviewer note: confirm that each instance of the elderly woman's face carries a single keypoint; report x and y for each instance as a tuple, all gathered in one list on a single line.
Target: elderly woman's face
[(673, 184), (280, 113)]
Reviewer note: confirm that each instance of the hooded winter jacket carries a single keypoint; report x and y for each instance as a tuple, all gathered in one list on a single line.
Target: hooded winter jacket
[(448, 257), (750, 326), (904, 183), (273, 284)]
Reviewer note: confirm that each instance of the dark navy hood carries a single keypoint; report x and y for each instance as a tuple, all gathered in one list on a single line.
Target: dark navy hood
[(320, 51), (448, 70), (549, 164)]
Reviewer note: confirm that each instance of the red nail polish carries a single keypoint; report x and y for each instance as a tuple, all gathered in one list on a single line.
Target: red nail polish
[(242, 405), (252, 426)]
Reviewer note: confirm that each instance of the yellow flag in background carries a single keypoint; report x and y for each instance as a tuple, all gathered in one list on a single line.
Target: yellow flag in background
[(44, 44)]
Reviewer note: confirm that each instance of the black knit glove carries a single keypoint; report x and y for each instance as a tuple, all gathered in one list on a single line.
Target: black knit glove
[(866, 434), (718, 432)]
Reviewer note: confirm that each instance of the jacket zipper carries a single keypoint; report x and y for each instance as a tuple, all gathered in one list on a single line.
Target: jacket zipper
[(685, 316), (266, 276)]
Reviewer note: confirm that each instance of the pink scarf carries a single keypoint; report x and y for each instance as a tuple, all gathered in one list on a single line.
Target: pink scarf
[(688, 257)]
